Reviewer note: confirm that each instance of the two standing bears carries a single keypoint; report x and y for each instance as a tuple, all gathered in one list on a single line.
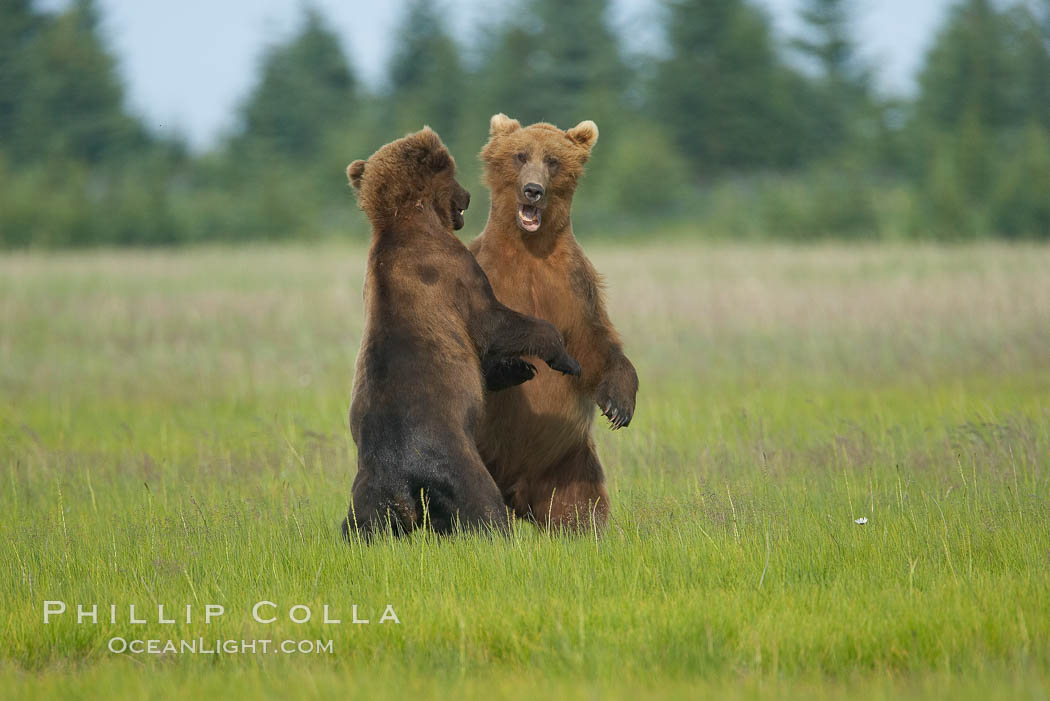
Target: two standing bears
[(431, 321), (531, 431)]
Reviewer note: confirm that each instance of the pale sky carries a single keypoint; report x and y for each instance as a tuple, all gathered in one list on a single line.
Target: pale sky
[(187, 64)]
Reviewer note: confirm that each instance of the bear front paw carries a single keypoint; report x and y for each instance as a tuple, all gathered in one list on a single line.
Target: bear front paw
[(616, 396), (508, 372)]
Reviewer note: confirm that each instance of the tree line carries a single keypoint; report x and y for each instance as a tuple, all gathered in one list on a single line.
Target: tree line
[(728, 130)]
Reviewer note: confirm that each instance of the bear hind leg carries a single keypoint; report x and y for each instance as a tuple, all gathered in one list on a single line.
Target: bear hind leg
[(461, 496), (374, 510), (571, 496)]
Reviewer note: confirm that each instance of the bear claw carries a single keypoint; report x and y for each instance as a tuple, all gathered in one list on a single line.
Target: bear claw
[(566, 365), (619, 417)]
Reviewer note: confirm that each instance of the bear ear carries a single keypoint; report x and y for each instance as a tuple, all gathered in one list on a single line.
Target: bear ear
[(433, 156), (584, 134), (439, 160), (502, 124), (354, 172)]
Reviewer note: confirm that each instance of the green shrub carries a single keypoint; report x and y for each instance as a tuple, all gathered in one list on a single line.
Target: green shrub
[(638, 173), (46, 206), (1020, 204)]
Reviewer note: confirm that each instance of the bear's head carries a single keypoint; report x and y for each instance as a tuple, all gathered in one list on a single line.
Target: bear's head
[(411, 176), (533, 171)]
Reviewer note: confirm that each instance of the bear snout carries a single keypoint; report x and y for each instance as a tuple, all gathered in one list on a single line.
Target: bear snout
[(533, 192)]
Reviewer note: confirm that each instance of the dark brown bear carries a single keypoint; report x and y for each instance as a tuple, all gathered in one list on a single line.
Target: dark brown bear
[(536, 439), (431, 319)]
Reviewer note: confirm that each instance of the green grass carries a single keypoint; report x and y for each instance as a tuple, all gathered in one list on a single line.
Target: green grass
[(173, 431)]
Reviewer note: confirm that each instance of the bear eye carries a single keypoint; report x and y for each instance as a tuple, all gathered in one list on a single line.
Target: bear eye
[(552, 162), (521, 157)]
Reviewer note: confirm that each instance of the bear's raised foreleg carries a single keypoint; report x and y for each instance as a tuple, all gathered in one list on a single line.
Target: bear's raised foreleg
[(512, 335)]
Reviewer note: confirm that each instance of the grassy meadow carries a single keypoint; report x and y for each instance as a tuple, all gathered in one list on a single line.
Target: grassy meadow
[(173, 431)]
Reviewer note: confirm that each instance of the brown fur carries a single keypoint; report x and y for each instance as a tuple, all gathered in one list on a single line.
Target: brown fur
[(536, 439), (431, 319)]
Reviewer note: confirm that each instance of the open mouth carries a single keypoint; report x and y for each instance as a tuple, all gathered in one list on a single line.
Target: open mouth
[(529, 217), (457, 218)]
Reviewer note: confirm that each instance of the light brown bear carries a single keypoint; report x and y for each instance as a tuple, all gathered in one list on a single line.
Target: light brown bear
[(433, 330), (535, 438)]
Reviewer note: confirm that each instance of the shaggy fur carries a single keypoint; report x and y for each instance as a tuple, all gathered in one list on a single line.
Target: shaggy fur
[(535, 439), (430, 320)]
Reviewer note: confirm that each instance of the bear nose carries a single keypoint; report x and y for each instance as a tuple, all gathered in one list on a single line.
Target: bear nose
[(533, 192)]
